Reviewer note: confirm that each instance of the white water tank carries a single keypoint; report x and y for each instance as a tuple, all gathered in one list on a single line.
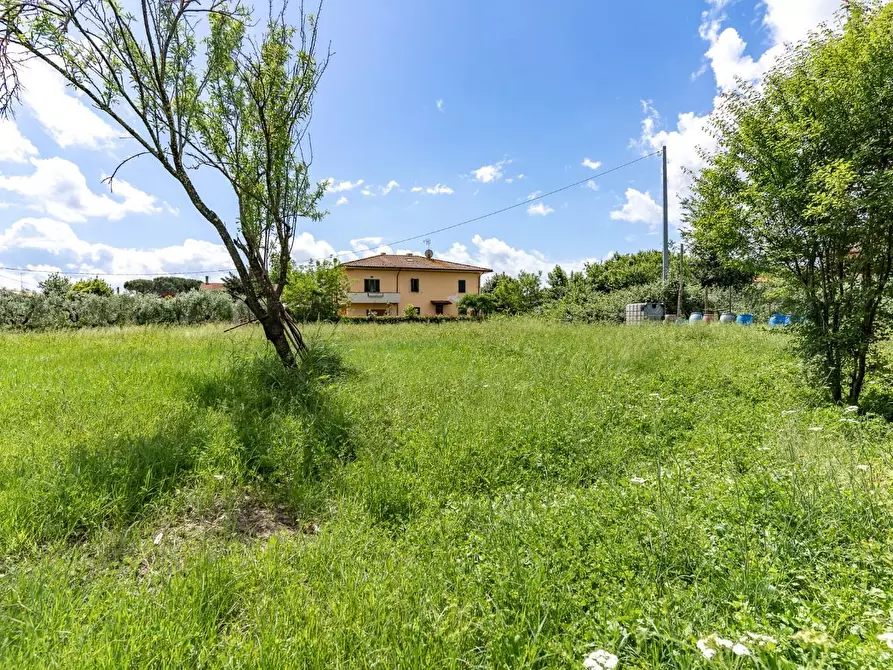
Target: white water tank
[(640, 312)]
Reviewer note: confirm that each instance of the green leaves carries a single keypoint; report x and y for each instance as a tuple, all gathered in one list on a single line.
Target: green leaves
[(800, 187)]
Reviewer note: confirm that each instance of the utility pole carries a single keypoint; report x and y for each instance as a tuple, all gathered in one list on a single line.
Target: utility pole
[(681, 279), (666, 274)]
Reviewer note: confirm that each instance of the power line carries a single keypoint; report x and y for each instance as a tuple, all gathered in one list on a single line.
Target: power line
[(380, 246)]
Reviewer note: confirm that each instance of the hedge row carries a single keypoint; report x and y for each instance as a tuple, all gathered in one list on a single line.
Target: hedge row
[(384, 320), (38, 311)]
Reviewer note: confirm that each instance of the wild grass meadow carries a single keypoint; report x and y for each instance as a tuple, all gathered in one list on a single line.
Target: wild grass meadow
[(507, 494)]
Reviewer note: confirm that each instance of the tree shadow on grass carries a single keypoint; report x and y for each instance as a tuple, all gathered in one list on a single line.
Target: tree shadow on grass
[(252, 422)]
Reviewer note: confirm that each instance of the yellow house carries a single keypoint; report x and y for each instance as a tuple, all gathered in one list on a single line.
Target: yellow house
[(386, 284)]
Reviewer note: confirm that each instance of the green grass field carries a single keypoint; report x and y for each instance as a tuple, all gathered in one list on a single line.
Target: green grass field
[(502, 495)]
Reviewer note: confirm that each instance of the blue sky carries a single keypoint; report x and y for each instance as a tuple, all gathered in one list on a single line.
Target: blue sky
[(474, 105)]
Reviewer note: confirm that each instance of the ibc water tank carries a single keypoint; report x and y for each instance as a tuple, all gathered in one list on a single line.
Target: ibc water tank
[(640, 312)]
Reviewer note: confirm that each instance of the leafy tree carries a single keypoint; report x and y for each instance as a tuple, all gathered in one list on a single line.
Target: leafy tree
[(162, 285), (197, 86), (316, 291), (55, 285), (482, 304), (515, 295), (802, 185), (94, 286), (625, 270), (558, 283)]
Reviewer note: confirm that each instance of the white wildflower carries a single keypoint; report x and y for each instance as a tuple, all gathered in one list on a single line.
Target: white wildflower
[(600, 660), (886, 637), (708, 646), (862, 467), (852, 409), (816, 429), (158, 538), (848, 421), (637, 480), (788, 412), (740, 650), (218, 477)]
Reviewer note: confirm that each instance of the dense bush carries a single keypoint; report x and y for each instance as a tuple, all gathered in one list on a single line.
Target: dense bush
[(405, 319), (38, 311)]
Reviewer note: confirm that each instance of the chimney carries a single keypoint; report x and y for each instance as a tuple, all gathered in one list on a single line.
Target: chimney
[(206, 279)]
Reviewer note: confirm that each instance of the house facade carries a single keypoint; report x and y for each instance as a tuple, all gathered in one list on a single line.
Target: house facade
[(386, 284)]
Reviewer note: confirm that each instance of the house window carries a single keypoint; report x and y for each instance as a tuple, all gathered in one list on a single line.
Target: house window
[(414, 285), (372, 285), (438, 308), (461, 286)]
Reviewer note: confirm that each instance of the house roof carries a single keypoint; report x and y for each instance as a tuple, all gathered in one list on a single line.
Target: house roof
[(412, 262), (213, 286)]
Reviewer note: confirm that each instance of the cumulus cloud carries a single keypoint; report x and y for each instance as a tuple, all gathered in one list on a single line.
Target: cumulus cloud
[(639, 208), (58, 188), (785, 21), (14, 147), (341, 201), (502, 257), (540, 209), (591, 185), (61, 248), (338, 187), (440, 106), (391, 185), (592, 165), (490, 173), (64, 116), (438, 189), (367, 192)]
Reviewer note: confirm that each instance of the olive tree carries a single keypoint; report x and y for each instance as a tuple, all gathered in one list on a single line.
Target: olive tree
[(198, 86), (802, 186)]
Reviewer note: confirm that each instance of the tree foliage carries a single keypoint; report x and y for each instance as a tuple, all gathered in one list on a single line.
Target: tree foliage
[(515, 295), (94, 286), (622, 271), (197, 86), (162, 285), (55, 285), (802, 185), (316, 291)]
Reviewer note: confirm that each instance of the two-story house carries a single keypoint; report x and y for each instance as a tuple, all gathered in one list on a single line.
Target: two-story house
[(386, 284)]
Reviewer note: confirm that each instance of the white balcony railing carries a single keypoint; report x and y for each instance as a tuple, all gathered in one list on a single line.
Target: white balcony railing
[(374, 298)]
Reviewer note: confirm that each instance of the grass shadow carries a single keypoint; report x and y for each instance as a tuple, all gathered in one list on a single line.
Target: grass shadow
[(252, 423)]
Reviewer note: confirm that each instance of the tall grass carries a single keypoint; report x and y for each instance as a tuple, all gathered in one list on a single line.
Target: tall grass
[(504, 494)]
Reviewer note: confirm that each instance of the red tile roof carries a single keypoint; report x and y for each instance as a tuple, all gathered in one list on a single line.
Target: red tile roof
[(412, 262)]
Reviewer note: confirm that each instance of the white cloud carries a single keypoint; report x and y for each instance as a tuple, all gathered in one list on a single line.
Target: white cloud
[(14, 147), (540, 209), (66, 118), (58, 188), (390, 187), (337, 187), (521, 176), (791, 20), (439, 189), (341, 201), (592, 165), (59, 241), (639, 208), (440, 106), (490, 173), (785, 20), (367, 192), (509, 180), (531, 196), (502, 257), (591, 185)]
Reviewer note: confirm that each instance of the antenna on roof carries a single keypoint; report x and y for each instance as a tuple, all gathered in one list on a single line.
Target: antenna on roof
[(428, 252)]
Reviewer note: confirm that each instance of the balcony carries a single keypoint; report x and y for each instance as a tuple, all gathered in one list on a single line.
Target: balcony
[(374, 298)]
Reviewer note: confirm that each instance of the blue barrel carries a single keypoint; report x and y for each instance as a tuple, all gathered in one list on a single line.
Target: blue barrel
[(695, 317), (744, 319), (777, 321)]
